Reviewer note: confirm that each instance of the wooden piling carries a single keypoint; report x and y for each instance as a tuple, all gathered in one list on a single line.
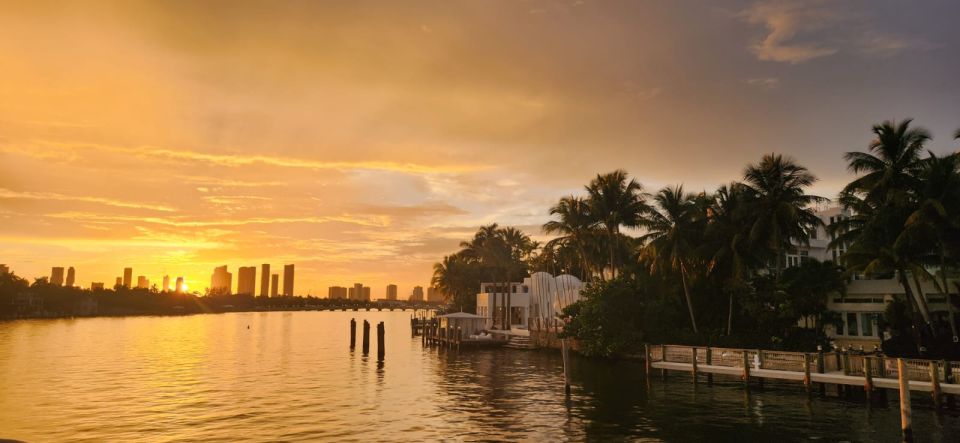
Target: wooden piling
[(867, 378), (935, 383), (353, 333), (565, 352), (693, 351), (760, 366), (709, 362), (746, 369), (381, 349), (948, 378), (806, 372), (821, 366), (366, 337), (905, 420), (646, 360)]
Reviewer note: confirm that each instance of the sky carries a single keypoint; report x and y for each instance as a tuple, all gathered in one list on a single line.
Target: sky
[(363, 140)]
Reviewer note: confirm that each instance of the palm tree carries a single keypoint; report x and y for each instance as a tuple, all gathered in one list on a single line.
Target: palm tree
[(615, 201), (671, 235), (457, 278), (726, 246), (935, 223), (890, 165), (782, 209), (881, 200), (575, 225)]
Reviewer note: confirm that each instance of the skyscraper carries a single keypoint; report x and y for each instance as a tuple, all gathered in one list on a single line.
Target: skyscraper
[(119, 283), (143, 282), (179, 286), (366, 293), (357, 291), (127, 277), (337, 292), (96, 286), (221, 282), (166, 283), (417, 294), (391, 292), (56, 276), (71, 276), (247, 280), (288, 280), (264, 279), (274, 285)]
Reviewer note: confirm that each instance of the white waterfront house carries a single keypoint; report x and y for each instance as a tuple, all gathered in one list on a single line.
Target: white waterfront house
[(534, 302), (862, 308)]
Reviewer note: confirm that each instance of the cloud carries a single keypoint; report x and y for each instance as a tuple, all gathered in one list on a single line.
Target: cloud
[(764, 82), (785, 21), (47, 196)]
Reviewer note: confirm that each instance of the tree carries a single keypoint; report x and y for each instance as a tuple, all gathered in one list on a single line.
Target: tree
[(881, 201), (576, 227), (615, 201), (458, 279), (726, 247), (935, 223), (807, 287), (782, 209), (673, 229)]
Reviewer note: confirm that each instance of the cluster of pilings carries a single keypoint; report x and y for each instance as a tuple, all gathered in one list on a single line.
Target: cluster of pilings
[(381, 333)]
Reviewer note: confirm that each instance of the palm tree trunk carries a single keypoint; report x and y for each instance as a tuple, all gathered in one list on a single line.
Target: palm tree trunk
[(613, 268), (923, 303), (686, 293), (902, 276), (730, 315)]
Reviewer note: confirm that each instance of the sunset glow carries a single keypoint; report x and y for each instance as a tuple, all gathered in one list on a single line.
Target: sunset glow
[(173, 137)]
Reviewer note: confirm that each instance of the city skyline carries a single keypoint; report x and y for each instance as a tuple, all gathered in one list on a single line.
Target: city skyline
[(323, 158)]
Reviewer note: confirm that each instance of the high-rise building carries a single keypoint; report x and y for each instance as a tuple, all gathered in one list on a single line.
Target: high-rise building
[(274, 285), (119, 283), (221, 282), (96, 286), (179, 286), (71, 276), (337, 292), (4, 269), (288, 280), (434, 295), (127, 277), (357, 291), (56, 276), (247, 280), (264, 279), (143, 282), (166, 283), (417, 294), (366, 293), (391, 292)]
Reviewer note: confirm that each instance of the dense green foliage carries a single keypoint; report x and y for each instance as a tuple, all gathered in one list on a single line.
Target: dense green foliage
[(711, 267)]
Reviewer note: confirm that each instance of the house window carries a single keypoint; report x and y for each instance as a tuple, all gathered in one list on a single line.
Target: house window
[(852, 329), (866, 325)]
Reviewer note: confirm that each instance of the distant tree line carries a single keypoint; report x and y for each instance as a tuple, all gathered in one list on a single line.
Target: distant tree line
[(22, 299)]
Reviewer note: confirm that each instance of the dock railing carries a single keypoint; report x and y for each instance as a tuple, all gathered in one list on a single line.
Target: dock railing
[(852, 364)]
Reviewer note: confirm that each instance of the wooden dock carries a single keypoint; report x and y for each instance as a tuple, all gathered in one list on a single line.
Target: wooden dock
[(836, 368)]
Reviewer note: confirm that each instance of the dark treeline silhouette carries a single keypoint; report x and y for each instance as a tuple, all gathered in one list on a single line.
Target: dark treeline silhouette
[(21, 299), (709, 267)]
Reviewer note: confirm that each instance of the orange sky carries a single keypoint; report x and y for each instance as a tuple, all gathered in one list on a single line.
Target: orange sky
[(362, 141)]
